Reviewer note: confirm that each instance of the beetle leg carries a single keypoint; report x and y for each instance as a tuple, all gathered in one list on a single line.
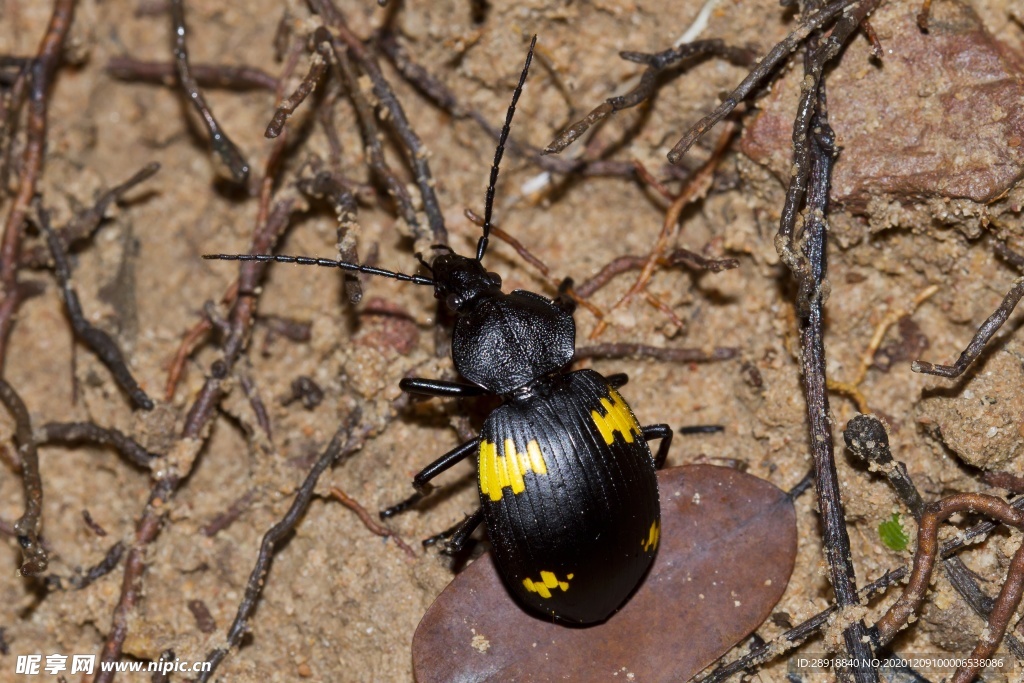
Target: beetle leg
[(618, 380), (421, 482), (701, 429), (439, 387), (462, 533), (457, 535), (663, 432), (563, 300)]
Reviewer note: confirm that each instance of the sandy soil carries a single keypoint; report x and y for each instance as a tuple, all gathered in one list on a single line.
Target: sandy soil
[(341, 604)]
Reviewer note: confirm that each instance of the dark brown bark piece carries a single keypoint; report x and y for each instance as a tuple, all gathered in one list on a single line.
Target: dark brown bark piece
[(728, 543)]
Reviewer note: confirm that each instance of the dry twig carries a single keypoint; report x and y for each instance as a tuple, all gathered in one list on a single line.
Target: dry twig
[(27, 528), (98, 341), (39, 77), (657, 64), (349, 438), (980, 339), (223, 147), (369, 522)]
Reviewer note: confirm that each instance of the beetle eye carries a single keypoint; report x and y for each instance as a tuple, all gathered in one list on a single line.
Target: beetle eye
[(453, 301), (494, 278)]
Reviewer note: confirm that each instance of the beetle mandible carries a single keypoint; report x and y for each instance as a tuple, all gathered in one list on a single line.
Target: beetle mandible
[(565, 475)]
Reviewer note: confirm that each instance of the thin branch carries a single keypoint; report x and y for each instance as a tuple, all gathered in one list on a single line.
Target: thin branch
[(109, 562), (814, 21), (98, 341), (656, 353), (40, 77), (206, 75), (226, 150), (676, 257), (349, 438), (369, 522), (28, 527), (73, 432), (258, 408), (317, 68), (146, 531), (229, 516), (656, 63), (981, 337), (814, 155), (84, 224)]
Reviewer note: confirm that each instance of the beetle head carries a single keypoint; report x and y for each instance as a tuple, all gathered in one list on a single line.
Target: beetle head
[(461, 282)]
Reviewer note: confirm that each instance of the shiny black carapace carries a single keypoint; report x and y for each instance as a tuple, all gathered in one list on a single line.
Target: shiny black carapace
[(566, 478)]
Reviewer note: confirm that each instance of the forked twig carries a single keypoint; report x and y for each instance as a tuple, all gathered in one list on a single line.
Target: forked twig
[(765, 66), (98, 341), (657, 63)]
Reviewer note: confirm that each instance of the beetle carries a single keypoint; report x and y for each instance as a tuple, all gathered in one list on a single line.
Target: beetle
[(565, 475)]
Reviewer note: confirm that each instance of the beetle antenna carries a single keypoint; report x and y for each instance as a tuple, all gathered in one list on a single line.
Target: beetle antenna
[(423, 262), (481, 246), (326, 263)]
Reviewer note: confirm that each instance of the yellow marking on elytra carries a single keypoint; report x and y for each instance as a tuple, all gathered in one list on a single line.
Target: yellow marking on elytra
[(617, 418), (508, 470), (653, 536), (547, 582)]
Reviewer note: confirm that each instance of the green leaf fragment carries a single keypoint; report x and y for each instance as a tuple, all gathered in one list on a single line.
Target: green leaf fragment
[(892, 534)]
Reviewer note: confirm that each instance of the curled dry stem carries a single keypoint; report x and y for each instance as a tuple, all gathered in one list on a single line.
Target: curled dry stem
[(913, 595), (798, 634), (867, 438)]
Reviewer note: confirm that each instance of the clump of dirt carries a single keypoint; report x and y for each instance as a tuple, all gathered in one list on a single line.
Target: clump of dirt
[(925, 178)]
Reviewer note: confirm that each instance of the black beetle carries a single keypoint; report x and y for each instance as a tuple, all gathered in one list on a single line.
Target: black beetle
[(566, 479)]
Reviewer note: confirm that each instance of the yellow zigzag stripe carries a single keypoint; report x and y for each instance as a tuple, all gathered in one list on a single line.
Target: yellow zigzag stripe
[(652, 537), (617, 418), (548, 581), (498, 472)]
